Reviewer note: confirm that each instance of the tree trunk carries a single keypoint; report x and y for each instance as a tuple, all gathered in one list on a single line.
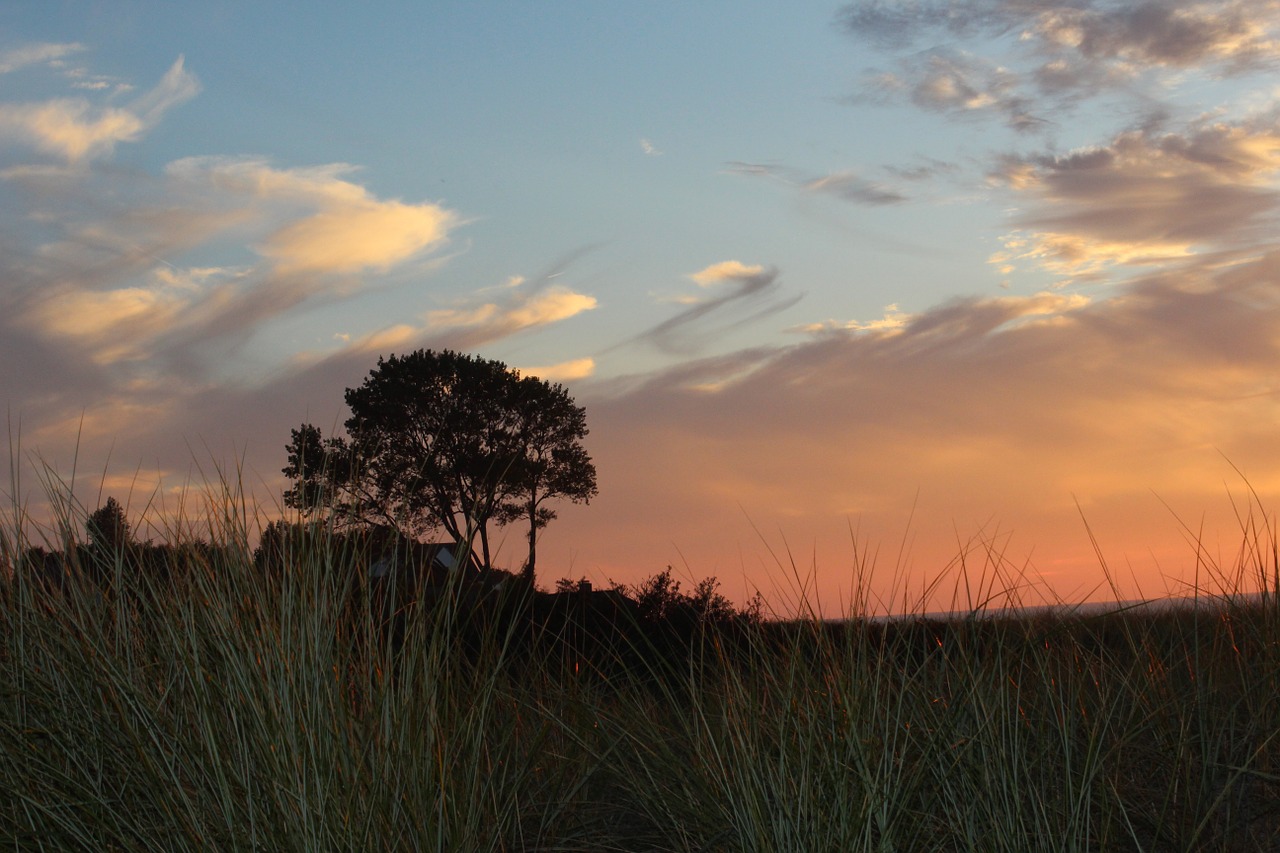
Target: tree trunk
[(484, 543), (528, 572)]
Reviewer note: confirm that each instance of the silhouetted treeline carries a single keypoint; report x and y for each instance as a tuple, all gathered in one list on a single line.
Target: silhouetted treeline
[(144, 568), (387, 583), (388, 587)]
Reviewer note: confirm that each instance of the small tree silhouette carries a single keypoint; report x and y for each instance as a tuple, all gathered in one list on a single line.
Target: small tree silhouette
[(659, 596), (108, 529)]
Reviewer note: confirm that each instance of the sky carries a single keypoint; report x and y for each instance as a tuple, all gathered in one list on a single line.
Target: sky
[(870, 305)]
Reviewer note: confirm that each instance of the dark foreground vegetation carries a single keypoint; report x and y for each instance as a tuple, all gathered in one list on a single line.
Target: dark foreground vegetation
[(193, 697)]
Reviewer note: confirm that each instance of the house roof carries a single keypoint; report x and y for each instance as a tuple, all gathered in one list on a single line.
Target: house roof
[(446, 556)]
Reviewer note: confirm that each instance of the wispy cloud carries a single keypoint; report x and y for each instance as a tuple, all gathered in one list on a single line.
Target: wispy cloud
[(72, 129), (928, 169), (894, 320), (735, 286), (127, 320), (36, 54), (1237, 34), (75, 129), (960, 84), (137, 347), (1234, 36), (1164, 189), (845, 185), (1038, 57), (849, 186), (111, 287), (488, 321), (1147, 197), (177, 85), (565, 371)]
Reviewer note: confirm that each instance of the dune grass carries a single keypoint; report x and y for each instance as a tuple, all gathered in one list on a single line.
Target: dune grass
[(221, 707)]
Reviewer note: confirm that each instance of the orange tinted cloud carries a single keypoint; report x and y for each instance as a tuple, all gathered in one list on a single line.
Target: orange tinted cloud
[(112, 323), (1146, 198), (990, 414), (520, 310), (565, 371), (109, 290), (354, 237), (342, 228)]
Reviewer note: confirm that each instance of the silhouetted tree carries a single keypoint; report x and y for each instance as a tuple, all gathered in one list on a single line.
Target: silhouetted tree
[(446, 440), (709, 604), (320, 470), (658, 596), (108, 529), (279, 543), (552, 463)]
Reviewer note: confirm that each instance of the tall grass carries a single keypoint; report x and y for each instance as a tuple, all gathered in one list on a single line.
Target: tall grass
[(218, 706), (221, 708)]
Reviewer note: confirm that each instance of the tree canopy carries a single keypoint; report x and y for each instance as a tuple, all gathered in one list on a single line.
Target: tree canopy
[(446, 440), (107, 527)]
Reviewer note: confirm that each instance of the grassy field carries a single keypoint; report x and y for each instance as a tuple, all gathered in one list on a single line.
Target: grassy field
[(223, 708)]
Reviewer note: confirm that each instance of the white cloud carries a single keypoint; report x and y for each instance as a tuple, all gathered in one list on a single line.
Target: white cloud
[(114, 287), (349, 238), (337, 226), (400, 336), (550, 305), (893, 321), (725, 271), (73, 129), (177, 86), (34, 54), (76, 129)]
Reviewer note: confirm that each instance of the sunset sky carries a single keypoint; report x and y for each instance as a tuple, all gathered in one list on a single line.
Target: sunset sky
[(878, 283)]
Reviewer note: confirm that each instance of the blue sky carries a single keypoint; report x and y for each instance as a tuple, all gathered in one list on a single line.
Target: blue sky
[(532, 125), (809, 265)]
